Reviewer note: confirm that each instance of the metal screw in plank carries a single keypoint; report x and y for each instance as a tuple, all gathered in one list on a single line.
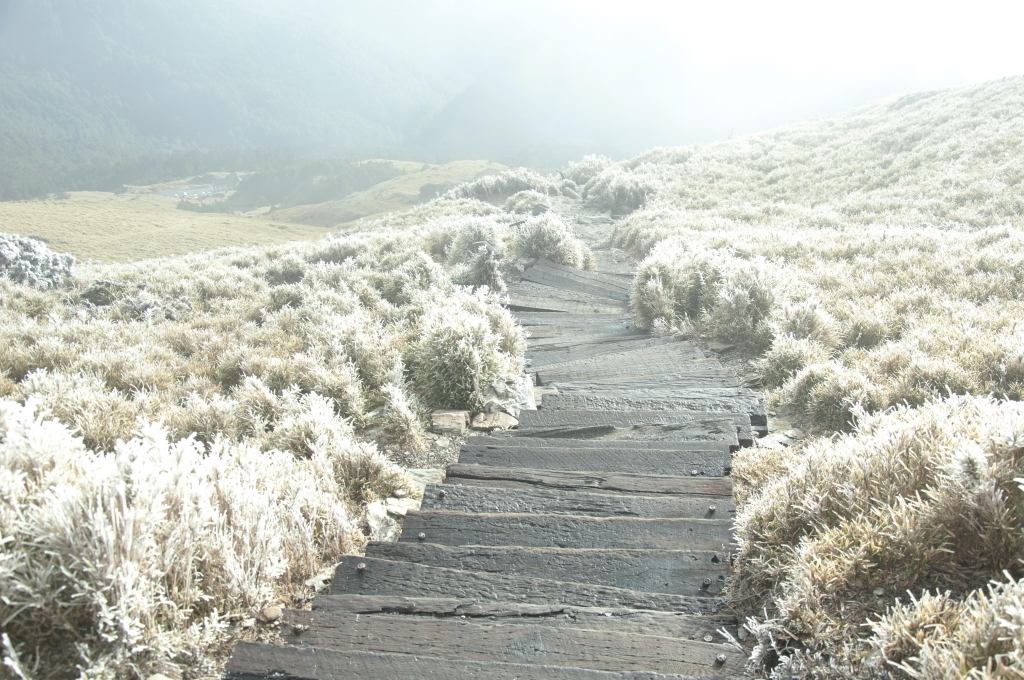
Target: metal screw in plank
[(693, 472), (422, 536), (361, 566), (441, 494), (711, 509), (707, 582), (720, 659), (709, 638)]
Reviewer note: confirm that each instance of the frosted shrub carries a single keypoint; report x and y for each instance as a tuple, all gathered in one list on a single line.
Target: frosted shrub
[(585, 169), (505, 183), (925, 500), (524, 201), (788, 356), (151, 550), (618, 189), (29, 261), (457, 357), (549, 237)]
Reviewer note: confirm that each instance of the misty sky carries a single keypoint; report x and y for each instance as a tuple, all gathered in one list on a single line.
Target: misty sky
[(966, 41)]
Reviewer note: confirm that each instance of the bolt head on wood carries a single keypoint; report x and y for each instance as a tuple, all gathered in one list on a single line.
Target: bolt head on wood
[(361, 566), (693, 472), (422, 536), (709, 638), (720, 659), (707, 582), (711, 509), (442, 493)]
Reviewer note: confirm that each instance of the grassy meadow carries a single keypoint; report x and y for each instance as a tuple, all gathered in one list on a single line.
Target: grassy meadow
[(106, 227), (240, 407)]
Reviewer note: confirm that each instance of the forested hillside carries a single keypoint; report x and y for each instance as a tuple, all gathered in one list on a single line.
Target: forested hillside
[(86, 88)]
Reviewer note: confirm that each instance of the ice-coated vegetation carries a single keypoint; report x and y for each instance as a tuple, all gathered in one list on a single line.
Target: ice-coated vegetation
[(872, 554), (235, 409), (873, 265), (29, 261)]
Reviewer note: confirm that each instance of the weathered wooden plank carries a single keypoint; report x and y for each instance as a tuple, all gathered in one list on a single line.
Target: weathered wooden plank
[(565, 531), (623, 350), (735, 401), (557, 355), (594, 278), (581, 339), (486, 475), (259, 661), (655, 571), (562, 318), (641, 462), (594, 286), (509, 439), (639, 369), (465, 498), (468, 640), (405, 579), (520, 301), (693, 425), (683, 626), (669, 383)]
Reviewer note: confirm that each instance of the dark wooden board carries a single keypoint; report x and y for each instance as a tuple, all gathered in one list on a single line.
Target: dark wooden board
[(653, 371), (736, 401), (405, 579), (617, 352), (640, 461), (566, 531), (617, 619), (486, 475), (510, 439), (669, 382), (258, 661), (581, 339), (610, 289), (693, 425), (552, 270), (465, 498), (520, 302), (468, 640), (655, 571), (563, 318)]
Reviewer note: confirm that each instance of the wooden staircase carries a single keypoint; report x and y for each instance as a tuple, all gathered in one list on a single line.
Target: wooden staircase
[(591, 543)]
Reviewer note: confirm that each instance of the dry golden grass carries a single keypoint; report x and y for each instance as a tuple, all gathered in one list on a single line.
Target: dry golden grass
[(122, 228), (395, 194)]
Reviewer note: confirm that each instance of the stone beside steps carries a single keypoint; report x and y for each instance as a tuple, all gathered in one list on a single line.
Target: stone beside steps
[(592, 543)]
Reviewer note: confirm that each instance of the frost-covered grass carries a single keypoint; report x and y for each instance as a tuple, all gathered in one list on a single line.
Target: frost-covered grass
[(869, 262), (186, 440), (878, 548)]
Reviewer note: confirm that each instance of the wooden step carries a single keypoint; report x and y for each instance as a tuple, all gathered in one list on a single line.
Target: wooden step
[(486, 475), (404, 579), (530, 319), (639, 461), (521, 302), (555, 355), (598, 368), (622, 620), (259, 661), (557, 276), (527, 643), (677, 425), (623, 352), (669, 382), (510, 439), (566, 531), (734, 401), (596, 289), (465, 498), (679, 572)]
